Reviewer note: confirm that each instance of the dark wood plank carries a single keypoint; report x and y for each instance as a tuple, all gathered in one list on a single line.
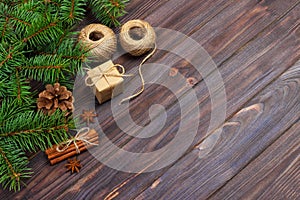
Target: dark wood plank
[(273, 175), (144, 178), (235, 144), (261, 59)]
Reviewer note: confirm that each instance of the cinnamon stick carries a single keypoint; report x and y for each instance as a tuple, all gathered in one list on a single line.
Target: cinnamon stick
[(91, 135), (54, 156), (67, 155), (54, 153)]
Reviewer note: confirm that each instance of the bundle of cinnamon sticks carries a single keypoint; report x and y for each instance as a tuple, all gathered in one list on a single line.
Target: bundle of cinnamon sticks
[(55, 156)]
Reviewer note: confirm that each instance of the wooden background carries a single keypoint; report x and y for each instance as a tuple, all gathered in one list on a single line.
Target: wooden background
[(256, 47)]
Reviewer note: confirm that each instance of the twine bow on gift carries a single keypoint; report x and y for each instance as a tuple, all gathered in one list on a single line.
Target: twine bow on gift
[(104, 74), (80, 136)]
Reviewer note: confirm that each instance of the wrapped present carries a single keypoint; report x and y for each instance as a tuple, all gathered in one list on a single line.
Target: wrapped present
[(106, 80)]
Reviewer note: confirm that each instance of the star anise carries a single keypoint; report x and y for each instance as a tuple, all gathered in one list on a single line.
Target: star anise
[(73, 165), (88, 116)]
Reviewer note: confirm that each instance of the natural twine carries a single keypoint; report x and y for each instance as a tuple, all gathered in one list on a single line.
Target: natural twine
[(80, 136), (141, 76), (100, 73), (137, 37), (100, 40)]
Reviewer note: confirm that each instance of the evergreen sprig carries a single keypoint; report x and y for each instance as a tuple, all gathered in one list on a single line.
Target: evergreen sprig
[(108, 11), (72, 11), (37, 43), (40, 133), (13, 165)]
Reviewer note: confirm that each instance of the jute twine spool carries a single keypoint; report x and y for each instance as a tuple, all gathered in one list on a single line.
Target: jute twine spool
[(100, 40), (137, 37)]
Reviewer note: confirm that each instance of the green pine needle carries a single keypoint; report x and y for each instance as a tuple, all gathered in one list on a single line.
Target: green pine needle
[(108, 11), (37, 43)]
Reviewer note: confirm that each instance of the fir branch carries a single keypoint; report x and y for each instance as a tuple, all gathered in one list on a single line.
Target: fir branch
[(4, 26), (18, 86), (43, 32), (3, 155), (81, 58), (107, 11), (18, 20), (9, 109), (26, 28), (3, 86), (68, 50), (46, 68), (41, 132), (17, 133), (56, 3), (13, 56), (16, 89), (39, 31), (72, 11), (6, 59), (31, 6), (19, 90), (13, 164)]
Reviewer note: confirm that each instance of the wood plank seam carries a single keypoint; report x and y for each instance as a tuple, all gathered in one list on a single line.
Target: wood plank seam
[(283, 131), (254, 158), (221, 65), (256, 36), (285, 13)]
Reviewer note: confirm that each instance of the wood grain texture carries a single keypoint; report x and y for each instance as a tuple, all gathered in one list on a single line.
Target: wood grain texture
[(256, 57), (251, 42), (272, 175), (235, 144)]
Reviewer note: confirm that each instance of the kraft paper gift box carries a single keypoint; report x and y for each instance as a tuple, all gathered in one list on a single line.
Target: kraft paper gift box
[(106, 80)]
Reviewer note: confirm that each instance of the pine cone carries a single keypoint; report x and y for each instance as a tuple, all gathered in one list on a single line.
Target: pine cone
[(54, 97)]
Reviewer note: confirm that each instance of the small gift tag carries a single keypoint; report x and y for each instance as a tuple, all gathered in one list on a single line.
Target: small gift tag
[(106, 80)]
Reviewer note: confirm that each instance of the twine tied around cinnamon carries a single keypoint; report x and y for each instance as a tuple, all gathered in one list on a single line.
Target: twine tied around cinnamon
[(80, 136)]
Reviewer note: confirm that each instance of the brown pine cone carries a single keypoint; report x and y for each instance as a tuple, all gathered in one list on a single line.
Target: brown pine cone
[(54, 97)]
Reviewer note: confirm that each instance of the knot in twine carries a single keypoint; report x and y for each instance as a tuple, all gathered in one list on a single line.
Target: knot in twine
[(137, 37), (100, 74), (99, 40), (80, 136)]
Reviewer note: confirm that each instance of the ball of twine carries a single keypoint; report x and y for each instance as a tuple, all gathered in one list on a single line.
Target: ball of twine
[(99, 40), (137, 37)]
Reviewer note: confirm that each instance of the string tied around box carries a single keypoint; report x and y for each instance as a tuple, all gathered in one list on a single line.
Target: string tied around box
[(80, 136), (104, 73)]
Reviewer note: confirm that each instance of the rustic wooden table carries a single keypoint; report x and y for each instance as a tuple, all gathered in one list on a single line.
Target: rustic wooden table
[(255, 45)]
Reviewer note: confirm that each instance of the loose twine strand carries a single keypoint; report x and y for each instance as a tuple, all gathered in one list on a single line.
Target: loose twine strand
[(105, 46), (137, 47), (80, 136), (141, 76)]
